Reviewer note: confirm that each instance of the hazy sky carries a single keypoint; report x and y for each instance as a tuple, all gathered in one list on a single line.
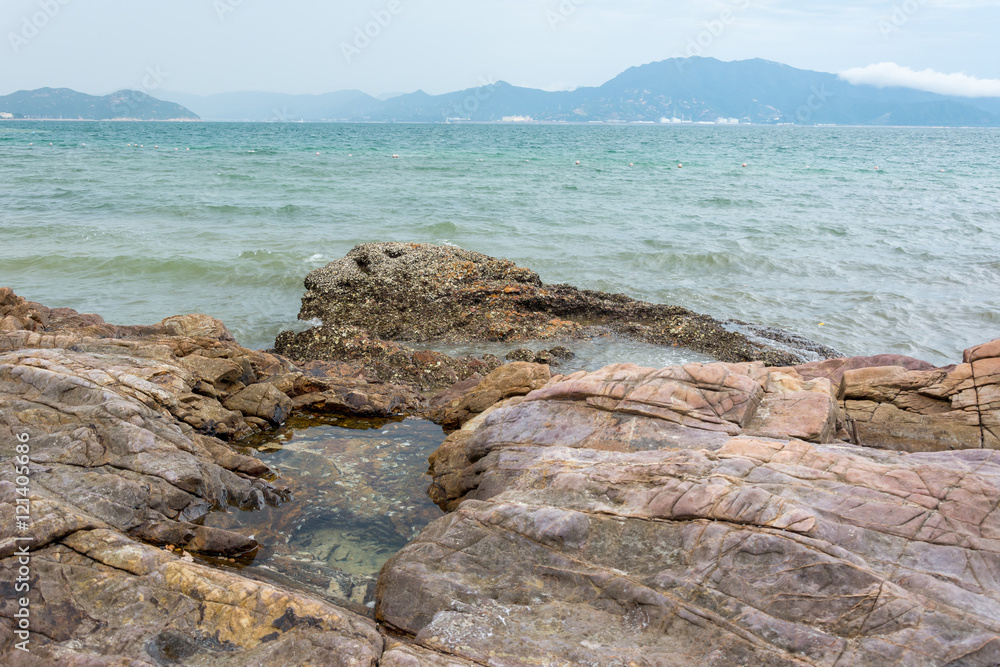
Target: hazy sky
[(312, 46)]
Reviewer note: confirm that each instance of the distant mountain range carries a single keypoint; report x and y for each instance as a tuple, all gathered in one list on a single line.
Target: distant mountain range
[(676, 90), (66, 104)]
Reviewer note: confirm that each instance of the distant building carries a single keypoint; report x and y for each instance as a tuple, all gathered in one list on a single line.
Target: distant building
[(518, 119), (727, 121), (5, 114)]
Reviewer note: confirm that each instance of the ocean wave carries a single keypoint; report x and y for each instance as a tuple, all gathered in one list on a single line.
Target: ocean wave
[(439, 228), (172, 270)]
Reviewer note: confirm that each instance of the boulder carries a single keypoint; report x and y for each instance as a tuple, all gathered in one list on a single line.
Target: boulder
[(516, 379), (197, 326), (956, 407), (745, 550), (261, 400), (419, 292), (382, 360), (99, 598), (121, 425)]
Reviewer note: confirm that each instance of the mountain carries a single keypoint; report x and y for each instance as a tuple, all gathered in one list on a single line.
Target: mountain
[(55, 103), (692, 89)]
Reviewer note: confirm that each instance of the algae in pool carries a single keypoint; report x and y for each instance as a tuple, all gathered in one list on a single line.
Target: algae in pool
[(358, 495)]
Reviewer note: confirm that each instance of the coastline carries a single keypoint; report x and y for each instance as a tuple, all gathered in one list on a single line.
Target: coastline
[(732, 483)]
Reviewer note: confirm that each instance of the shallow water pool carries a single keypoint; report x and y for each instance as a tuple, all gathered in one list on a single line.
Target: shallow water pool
[(358, 495)]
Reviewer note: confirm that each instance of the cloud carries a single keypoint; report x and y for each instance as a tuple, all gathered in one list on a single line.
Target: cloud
[(884, 75)]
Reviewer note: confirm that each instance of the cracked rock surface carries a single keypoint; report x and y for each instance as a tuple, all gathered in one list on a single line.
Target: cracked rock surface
[(679, 517), (842, 512), (127, 431)]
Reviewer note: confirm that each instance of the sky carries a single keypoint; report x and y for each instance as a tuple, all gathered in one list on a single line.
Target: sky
[(395, 46)]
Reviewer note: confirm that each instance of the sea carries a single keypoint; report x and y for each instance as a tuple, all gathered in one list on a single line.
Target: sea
[(868, 240)]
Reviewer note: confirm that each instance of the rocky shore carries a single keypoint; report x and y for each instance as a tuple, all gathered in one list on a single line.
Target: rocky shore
[(760, 510), (413, 292)]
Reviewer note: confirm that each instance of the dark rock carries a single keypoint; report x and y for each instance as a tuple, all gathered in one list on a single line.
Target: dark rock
[(419, 292), (382, 360)]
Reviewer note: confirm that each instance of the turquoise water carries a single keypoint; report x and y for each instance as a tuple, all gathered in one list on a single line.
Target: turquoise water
[(902, 259)]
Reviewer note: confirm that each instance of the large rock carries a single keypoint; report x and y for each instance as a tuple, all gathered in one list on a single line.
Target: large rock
[(382, 360), (97, 595), (641, 516), (121, 424), (956, 407), (677, 516), (419, 292), (761, 552), (262, 400)]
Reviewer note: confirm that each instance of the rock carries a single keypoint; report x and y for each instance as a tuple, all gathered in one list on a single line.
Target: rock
[(517, 379), (834, 369), (97, 593), (927, 409), (408, 655), (121, 424), (382, 360), (546, 357), (626, 408), (754, 551), (521, 354), (792, 408), (419, 292), (197, 326), (353, 397), (108, 446), (218, 374), (262, 400), (644, 516)]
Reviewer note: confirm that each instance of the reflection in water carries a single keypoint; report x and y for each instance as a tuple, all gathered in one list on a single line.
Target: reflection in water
[(358, 495)]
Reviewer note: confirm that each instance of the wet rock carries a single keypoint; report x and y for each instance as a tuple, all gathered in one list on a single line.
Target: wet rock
[(419, 292), (546, 357), (359, 398), (521, 354), (358, 494), (382, 360)]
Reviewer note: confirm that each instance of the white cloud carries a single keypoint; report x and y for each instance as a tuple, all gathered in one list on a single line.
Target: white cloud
[(884, 75)]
